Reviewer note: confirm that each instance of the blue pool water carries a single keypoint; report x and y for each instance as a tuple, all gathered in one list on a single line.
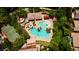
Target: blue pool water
[(42, 33)]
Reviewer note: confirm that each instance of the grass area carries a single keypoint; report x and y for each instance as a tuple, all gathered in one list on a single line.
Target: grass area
[(43, 43)]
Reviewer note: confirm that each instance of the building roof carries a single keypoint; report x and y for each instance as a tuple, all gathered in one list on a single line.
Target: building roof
[(10, 32), (76, 28), (32, 16), (75, 37), (76, 14)]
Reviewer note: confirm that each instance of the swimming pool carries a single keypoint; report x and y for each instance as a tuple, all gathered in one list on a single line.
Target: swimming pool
[(42, 33)]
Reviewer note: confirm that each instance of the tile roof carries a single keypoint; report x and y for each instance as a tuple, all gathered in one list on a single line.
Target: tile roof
[(32, 16), (75, 37)]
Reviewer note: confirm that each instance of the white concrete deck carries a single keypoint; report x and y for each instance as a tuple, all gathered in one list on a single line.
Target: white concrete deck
[(33, 38)]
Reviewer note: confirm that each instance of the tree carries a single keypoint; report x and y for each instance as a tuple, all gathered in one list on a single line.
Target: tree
[(55, 41), (62, 30), (65, 44), (52, 13), (2, 15), (68, 11), (25, 35), (22, 13), (61, 12), (17, 44), (6, 18), (62, 20), (66, 32), (48, 30), (10, 9), (7, 44), (34, 9), (53, 46)]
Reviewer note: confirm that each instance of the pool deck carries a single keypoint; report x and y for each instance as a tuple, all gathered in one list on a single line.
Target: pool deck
[(31, 43), (39, 38)]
